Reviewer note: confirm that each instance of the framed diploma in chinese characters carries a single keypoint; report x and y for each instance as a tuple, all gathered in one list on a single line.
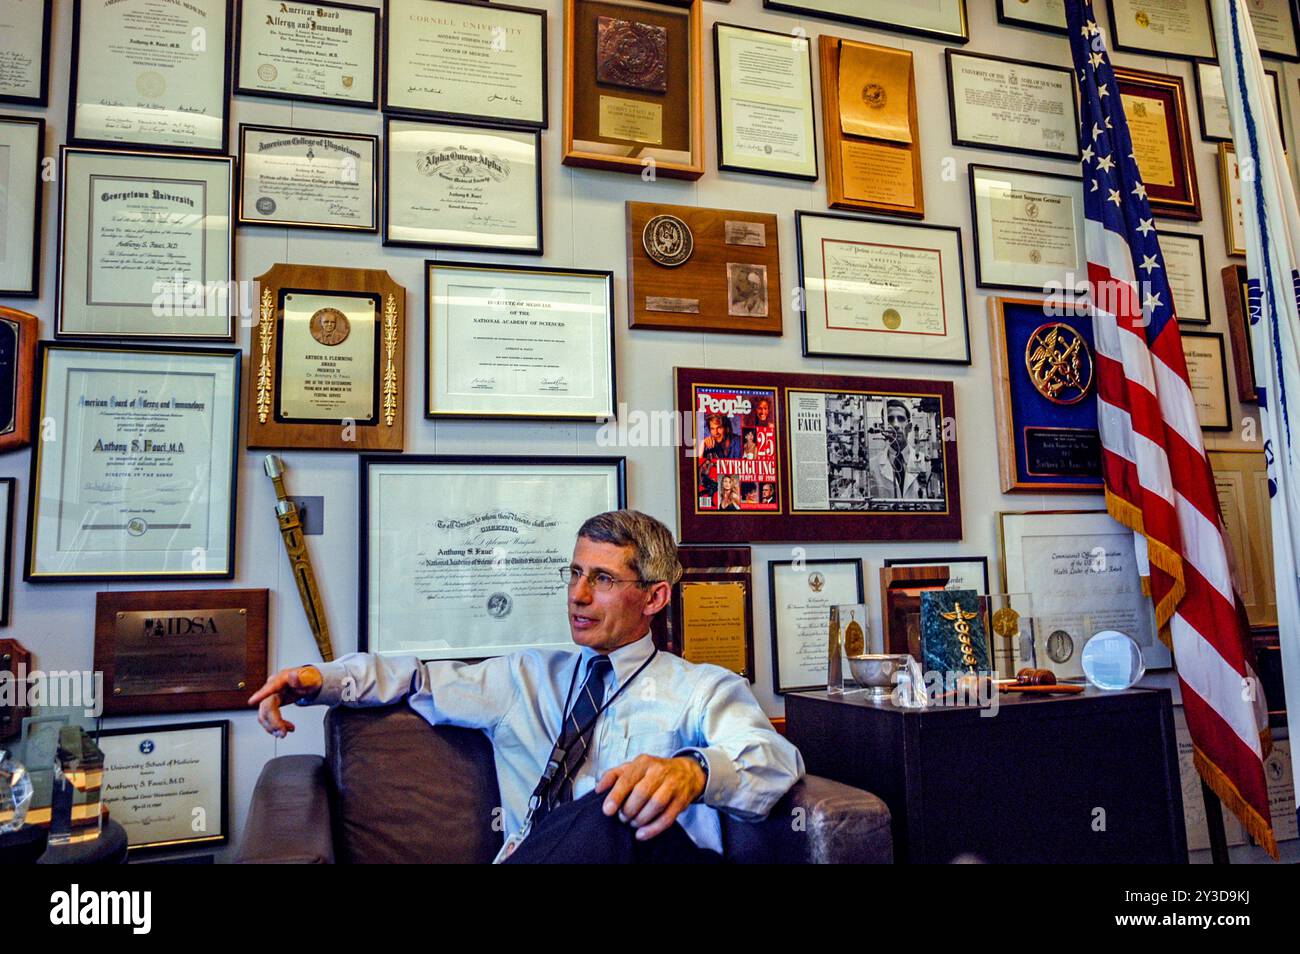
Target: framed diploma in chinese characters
[(779, 457), (18, 334), (1234, 213), (25, 51), (1207, 373), (141, 482), (1215, 124), (22, 143), (1242, 313), (1028, 228), (633, 91), (1082, 572), (942, 19), (308, 179), (518, 342), (1044, 399), (800, 596), (697, 269), (326, 369), (1184, 256), (873, 141), (145, 245), (1178, 28), (313, 52), (150, 74), (710, 618), (765, 102), (1045, 15), (1156, 110), (1012, 105), (466, 61), (451, 186), (877, 289), (1241, 479), (465, 557)]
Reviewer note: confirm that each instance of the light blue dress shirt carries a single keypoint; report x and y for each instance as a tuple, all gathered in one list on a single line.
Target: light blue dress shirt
[(673, 706)]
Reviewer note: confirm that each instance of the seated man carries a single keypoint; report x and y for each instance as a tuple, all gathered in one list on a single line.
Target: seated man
[(616, 752)]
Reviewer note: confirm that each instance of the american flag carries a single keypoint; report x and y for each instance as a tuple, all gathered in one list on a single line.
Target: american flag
[(1158, 481)]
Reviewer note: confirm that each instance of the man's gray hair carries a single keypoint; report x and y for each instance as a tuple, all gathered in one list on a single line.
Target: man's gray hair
[(654, 552)]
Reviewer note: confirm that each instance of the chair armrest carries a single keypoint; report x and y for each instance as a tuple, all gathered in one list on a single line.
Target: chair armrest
[(289, 817), (817, 822)]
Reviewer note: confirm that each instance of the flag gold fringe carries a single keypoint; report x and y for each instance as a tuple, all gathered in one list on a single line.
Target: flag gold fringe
[(1158, 554), (1259, 828)]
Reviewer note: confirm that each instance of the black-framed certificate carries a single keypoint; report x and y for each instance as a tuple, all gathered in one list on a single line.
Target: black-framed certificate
[(1215, 124), (25, 51), (167, 784), (943, 19), (1184, 255), (1045, 15), (308, 179), (1275, 24), (1028, 228), (141, 481), (466, 61), (22, 143), (150, 73), (1207, 375), (879, 289), (763, 81), (313, 52), (996, 102), (800, 596), (461, 557), (449, 186), (521, 342), (145, 245), (8, 490), (1178, 28)]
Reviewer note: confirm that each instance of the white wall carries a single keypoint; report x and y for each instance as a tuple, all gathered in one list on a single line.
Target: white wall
[(584, 222)]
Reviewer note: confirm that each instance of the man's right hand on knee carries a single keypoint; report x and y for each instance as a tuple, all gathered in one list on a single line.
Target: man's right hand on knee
[(286, 686)]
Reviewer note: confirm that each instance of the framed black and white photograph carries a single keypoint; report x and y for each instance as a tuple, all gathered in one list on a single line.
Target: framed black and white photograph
[(1047, 16), (1184, 256), (449, 186), (518, 342), (995, 102), (1207, 374), (1028, 229), (150, 74), (314, 53), (800, 596), (25, 51), (22, 145), (308, 179), (964, 572)]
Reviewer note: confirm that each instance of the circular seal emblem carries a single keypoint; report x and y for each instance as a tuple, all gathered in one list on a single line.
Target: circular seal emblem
[(266, 205), (150, 84), (146, 746), (1059, 362), (1060, 646), (330, 326), (267, 73), (1006, 622), (1035, 256), (874, 95), (891, 318), (815, 582), (1142, 19), (1031, 209), (667, 240), (499, 605), (137, 526)]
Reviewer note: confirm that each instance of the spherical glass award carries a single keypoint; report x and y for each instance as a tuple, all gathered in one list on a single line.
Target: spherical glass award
[(1112, 660)]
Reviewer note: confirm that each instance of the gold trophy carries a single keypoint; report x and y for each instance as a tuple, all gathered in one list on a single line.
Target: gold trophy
[(295, 544)]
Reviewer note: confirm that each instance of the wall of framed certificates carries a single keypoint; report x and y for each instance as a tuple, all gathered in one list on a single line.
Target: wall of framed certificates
[(513, 172)]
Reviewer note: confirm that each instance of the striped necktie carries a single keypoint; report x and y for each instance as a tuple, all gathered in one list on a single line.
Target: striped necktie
[(571, 748)]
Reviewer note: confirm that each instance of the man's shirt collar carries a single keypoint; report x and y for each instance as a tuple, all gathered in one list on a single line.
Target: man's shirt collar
[(626, 659)]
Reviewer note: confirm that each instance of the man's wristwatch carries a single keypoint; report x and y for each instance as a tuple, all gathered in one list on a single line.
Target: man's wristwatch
[(703, 763)]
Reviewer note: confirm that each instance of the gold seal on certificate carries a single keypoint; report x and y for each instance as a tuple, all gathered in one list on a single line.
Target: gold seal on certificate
[(1178, 28), (314, 52), (308, 178)]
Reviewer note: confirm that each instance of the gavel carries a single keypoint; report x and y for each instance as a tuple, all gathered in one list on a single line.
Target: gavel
[(1035, 677)]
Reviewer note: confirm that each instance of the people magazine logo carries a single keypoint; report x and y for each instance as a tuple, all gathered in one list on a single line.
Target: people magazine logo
[(736, 450)]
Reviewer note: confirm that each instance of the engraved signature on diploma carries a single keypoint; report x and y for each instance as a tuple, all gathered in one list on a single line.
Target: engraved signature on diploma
[(483, 383), (498, 98)]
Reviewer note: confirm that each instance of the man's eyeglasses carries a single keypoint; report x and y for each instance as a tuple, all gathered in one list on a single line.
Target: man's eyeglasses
[(599, 581)]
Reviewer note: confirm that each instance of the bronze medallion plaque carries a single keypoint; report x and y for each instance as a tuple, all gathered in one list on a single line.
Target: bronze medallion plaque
[(632, 54)]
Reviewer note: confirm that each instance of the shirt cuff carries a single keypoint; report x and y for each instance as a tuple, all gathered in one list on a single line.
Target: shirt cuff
[(334, 676), (720, 777)]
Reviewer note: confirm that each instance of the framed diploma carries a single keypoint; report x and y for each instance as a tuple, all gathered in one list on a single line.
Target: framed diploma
[(1234, 212), (1028, 229), (779, 457), (710, 618), (1081, 571), (145, 245), (633, 87), (878, 289), (311, 52), (22, 144), (1215, 124), (942, 19), (1044, 398), (1275, 26), (141, 483), (1242, 313), (1045, 15), (460, 187), (180, 650), (308, 179), (167, 784), (1184, 255), (1207, 373), (964, 572), (466, 61), (328, 357), (765, 102), (476, 545), (1156, 110), (150, 74), (25, 51), (18, 334), (800, 596), (1013, 105), (8, 490), (1241, 479), (1178, 28), (516, 342)]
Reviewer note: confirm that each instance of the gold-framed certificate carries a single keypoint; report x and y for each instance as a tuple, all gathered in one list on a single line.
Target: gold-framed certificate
[(312, 52), (150, 73), (308, 179), (996, 102), (1178, 28), (145, 245), (25, 51), (1234, 212), (1028, 229)]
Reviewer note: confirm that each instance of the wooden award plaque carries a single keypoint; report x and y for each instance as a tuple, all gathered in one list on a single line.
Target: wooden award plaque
[(18, 334), (900, 603)]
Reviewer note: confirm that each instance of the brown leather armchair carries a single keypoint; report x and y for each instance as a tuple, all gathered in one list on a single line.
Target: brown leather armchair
[(392, 788)]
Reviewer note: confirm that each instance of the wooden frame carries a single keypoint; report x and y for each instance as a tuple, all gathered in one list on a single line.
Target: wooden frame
[(112, 607), (1183, 199), (950, 54), (856, 563), (1236, 295), (33, 288), (1189, 336), (947, 561), (19, 332), (639, 161), (268, 425), (703, 565), (1249, 528), (1205, 290), (797, 7), (42, 98)]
